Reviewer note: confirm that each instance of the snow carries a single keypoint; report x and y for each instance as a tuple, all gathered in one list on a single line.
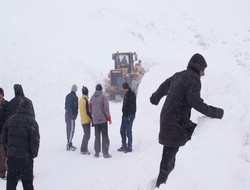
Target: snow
[(48, 45)]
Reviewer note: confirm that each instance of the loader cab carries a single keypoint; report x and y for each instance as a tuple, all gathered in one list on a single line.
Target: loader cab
[(124, 61)]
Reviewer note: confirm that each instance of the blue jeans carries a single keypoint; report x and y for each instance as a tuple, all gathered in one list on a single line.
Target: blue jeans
[(126, 131)]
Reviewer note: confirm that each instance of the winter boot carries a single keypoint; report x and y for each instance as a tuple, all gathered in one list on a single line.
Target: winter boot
[(85, 152), (96, 155), (72, 148), (122, 149), (129, 149), (107, 155), (67, 147)]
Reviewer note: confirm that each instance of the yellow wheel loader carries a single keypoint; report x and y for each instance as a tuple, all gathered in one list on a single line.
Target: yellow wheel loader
[(125, 70)]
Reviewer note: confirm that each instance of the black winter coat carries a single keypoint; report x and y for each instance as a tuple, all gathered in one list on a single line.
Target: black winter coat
[(129, 103), (183, 94), (4, 114), (20, 136), (71, 106)]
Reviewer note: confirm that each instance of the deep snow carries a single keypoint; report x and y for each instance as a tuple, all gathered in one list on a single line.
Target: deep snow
[(48, 45)]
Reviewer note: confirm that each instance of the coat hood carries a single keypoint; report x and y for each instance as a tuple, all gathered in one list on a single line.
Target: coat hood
[(97, 93), (18, 89), (197, 63), (85, 90), (98, 87), (25, 108)]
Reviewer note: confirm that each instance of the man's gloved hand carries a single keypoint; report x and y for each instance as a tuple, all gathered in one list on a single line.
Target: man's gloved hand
[(153, 100), (219, 113)]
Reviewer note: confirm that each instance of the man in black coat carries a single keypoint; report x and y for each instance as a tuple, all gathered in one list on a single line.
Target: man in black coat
[(71, 112), (21, 141), (128, 116), (183, 94), (19, 97)]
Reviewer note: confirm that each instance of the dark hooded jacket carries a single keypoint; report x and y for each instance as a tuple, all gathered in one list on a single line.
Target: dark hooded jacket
[(71, 106), (129, 103), (16, 101), (21, 136), (183, 94)]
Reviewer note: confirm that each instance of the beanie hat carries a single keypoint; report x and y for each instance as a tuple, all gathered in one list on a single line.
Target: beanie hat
[(98, 87), (18, 89), (85, 90), (1, 91), (125, 85), (25, 104), (74, 88), (197, 63)]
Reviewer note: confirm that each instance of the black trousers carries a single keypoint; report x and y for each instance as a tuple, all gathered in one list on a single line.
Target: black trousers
[(167, 164), (2, 159), (101, 129), (86, 137), (20, 168)]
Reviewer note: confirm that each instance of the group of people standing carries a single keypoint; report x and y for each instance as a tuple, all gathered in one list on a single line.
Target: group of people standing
[(95, 112), (19, 139)]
